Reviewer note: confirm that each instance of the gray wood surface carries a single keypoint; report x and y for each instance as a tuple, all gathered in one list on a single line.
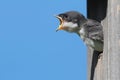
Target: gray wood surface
[(111, 56)]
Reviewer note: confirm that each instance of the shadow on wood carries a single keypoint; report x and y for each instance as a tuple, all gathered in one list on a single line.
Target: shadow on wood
[(95, 57)]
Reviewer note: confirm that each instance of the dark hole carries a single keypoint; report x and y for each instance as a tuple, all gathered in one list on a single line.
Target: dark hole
[(96, 9)]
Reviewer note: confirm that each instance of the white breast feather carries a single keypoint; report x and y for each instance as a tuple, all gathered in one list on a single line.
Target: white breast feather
[(87, 41)]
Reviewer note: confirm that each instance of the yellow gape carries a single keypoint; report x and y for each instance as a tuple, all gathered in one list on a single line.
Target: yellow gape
[(61, 23)]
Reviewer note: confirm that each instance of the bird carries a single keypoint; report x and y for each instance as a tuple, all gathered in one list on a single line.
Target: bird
[(89, 30)]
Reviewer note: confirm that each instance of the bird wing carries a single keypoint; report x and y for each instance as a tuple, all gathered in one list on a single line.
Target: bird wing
[(94, 30)]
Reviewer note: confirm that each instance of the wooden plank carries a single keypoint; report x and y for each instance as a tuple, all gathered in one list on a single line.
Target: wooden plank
[(111, 56)]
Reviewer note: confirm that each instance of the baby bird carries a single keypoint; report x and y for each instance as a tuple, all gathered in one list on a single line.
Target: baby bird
[(90, 31)]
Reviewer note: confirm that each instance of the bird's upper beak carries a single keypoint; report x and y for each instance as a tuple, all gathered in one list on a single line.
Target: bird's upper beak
[(61, 23)]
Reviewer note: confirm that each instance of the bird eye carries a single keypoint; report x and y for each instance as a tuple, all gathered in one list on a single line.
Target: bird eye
[(65, 16)]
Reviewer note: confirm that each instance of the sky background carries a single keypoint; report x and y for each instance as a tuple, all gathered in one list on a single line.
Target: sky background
[(30, 49)]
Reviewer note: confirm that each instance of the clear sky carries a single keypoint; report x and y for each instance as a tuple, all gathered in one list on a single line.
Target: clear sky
[(30, 49)]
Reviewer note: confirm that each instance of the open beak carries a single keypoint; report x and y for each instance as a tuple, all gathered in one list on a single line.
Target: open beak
[(61, 23)]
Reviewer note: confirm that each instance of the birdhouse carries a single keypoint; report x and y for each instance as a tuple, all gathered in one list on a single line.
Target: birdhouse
[(105, 66)]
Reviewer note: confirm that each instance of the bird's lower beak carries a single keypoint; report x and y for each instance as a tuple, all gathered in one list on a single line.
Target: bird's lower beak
[(59, 28), (61, 24)]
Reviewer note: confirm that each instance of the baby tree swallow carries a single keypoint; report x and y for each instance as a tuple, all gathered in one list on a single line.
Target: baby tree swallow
[(90, 31)]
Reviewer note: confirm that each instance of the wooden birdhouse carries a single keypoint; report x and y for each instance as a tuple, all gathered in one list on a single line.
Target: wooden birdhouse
[(105, 66)]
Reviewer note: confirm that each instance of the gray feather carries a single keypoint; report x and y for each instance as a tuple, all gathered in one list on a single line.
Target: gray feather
[(93, 30)]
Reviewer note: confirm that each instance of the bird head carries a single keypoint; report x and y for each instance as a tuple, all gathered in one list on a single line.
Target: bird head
[(70, 21)]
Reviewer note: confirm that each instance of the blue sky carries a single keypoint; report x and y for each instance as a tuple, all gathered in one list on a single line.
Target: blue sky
[(30, 49)]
